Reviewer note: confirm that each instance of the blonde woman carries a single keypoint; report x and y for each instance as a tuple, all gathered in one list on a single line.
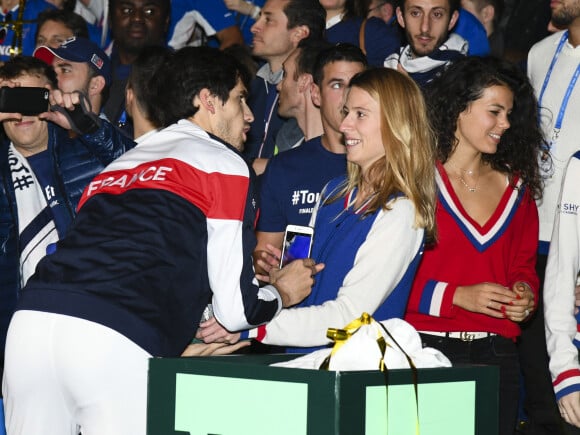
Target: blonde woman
[(370, 225)]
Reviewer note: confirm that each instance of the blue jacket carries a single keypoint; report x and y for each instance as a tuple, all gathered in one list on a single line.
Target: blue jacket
[(76, 161)]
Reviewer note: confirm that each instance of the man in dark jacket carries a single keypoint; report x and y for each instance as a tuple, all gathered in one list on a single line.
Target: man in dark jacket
[(43, 172), (164, 230)]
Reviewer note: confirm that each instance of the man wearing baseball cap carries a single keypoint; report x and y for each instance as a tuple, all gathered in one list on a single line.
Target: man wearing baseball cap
[(80, 65)]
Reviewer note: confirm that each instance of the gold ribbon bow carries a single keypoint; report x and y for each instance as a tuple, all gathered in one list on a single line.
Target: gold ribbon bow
[(340, 336)]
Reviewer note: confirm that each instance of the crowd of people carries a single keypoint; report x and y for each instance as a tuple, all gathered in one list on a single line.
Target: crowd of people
[(143, 209)]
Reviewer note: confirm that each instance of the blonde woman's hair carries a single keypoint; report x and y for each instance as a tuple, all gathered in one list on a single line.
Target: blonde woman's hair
[(408, 165)]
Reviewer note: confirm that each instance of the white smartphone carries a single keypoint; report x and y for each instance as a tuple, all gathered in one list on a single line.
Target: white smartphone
[(297, 243)]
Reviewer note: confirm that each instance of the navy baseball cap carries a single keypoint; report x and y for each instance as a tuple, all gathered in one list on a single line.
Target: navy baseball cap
[(78, 49)]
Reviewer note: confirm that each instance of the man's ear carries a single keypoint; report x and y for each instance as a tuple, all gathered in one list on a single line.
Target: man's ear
[(96, 85), (129, 100), (304, 82), (315, 94), (400, 18), (206, 101), (488, 14), (298, 34), (454, 18), (129, 95)]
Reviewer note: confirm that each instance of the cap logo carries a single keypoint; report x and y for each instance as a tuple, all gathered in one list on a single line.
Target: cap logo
[(68, 41), (97, 61)]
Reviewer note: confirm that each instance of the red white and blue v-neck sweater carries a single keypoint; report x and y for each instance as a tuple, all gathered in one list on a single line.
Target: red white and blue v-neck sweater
[(501, 251)]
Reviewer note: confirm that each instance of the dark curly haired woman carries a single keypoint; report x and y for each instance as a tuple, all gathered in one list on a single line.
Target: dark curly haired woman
[(478, 281)]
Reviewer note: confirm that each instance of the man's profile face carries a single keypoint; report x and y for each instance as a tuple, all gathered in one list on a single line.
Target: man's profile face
[(233, 117), (139, 23), (71, 76), (564, 12), (53, 34), (427, 24), (29, 135), (271, 36), (289, 96)]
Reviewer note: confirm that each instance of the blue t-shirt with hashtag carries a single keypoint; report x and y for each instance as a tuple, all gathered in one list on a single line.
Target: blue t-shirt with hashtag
[(292, 184)]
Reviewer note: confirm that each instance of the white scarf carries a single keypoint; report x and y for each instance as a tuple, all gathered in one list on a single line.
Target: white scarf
[(426, 63), (35, 223)]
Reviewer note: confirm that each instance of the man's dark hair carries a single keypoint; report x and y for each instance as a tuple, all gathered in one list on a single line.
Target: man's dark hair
[(190, 70), (309, 13), (309, 51), (74, 22), (454, 5), (142, 80), (21, 65), (339, 52)]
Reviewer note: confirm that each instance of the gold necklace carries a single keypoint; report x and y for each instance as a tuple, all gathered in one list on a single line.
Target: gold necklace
[(467, 186), (462, 180)]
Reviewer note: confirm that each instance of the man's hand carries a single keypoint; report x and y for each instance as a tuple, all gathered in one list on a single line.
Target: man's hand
[(205, 349), (259, 165), (294, 281), (569, 406), (211, 331), (63, 99)]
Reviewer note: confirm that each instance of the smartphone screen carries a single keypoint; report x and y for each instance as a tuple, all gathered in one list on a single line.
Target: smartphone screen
[(297, 243)]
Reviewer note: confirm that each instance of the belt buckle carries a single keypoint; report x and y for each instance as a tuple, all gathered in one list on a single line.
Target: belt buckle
[(466, 336)]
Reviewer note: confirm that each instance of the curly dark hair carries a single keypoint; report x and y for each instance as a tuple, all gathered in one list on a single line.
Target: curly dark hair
[(464, 82)]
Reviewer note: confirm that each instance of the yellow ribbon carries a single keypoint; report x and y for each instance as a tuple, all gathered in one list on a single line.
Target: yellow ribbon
[(340, 336)]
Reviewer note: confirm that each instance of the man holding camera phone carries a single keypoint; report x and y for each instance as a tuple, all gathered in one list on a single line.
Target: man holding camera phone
[(80, 66), (43, 173)]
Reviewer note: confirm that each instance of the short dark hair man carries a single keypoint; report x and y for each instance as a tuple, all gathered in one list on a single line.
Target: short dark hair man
[(294, 179), (427, 25), (135, 25), (278, 31), (54, 26), (161, 232), (80, 65)]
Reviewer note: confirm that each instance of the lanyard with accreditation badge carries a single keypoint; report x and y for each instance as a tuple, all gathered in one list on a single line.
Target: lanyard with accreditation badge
[(562, 111)]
